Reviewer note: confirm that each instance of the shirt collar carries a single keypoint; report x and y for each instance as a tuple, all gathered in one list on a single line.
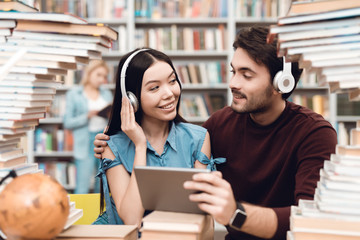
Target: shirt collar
[(171, 139)]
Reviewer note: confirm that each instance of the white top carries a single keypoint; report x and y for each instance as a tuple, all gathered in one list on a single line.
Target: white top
[(96, 123)]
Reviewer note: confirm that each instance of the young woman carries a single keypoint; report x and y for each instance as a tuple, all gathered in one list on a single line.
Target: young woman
[(154, 135), (82, 106)]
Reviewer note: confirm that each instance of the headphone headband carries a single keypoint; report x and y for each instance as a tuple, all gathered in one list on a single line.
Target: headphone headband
[(124, 68)]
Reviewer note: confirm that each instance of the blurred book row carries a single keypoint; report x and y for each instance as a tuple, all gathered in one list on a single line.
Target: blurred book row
[(182, 38), (158, 9)]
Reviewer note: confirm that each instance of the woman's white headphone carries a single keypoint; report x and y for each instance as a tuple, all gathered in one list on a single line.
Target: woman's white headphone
[(131, 96)]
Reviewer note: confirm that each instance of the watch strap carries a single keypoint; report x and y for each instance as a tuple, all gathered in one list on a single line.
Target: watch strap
[(238, 218)]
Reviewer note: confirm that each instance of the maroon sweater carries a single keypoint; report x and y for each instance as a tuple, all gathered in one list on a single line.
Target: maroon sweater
[(275, 165)]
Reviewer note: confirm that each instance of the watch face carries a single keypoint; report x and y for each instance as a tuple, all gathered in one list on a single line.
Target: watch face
[(238, 219)]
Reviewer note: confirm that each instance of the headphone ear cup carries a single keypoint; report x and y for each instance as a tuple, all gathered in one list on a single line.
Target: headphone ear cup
[(276, 80), (133, 100), (283, 82)]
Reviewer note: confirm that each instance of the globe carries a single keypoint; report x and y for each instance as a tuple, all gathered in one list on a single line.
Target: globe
[(33, 206)]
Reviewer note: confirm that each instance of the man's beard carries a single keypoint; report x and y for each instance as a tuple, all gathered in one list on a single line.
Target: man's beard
[(258, 105)]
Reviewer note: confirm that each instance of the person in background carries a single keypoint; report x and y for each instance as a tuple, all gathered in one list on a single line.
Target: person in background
[(83, 103), (147, 132), (274, 149)]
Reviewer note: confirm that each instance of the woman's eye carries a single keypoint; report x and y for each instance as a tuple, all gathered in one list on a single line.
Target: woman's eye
[(246, 76), (154, 88), (173, 80)]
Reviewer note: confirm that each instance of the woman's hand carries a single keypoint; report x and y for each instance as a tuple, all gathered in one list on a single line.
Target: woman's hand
[(129, 126)]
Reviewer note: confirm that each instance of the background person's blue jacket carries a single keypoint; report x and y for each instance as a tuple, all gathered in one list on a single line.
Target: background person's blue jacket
[(76, 119)]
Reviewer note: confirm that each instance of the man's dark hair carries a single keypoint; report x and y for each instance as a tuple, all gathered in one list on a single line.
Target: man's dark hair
[(253, 41)]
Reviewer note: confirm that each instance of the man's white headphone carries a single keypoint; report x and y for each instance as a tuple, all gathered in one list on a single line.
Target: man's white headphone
[(131, 96), (284, 81)]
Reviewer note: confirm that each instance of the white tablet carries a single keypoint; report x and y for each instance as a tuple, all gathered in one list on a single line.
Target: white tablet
[(161, 188)]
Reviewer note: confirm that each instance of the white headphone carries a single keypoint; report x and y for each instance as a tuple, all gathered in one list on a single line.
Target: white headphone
[(284, 81), (131, 96)]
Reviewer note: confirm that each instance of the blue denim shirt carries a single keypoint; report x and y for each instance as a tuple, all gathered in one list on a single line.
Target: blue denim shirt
[(182, 148)]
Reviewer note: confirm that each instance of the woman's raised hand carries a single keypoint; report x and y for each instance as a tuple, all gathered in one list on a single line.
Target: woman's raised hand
[(128, 124)]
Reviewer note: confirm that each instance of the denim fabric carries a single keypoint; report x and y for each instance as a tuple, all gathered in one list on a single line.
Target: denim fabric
[(86, 170), (182, 149)]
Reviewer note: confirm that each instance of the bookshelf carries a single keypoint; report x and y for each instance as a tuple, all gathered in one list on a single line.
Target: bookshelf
[(140, 24)]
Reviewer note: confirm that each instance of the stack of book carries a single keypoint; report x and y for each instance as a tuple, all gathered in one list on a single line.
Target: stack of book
[(161, 225), (35, 49), (335, 211), (324, 37)]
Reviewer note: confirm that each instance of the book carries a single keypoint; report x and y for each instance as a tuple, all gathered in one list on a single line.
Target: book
[(327, 193), (342, 169), (58, 51), (319, 236), (19, 116), (74, 215), (315, 7), (43, 64), (348, 150), (47, 57), (93, 232), (26, 97), (38, 70), (41, 16), (163, 225), (13, 161), (29, 90), (16, 5), (355, 136), (354, 95), (18, 124), (352, 12), (173, 221), (6, 154), (7, 23), (85, 29), (16, 34), (16, 130), (105, 112), (302, 28), (330, 31), (299, 222), (58, 44), (32, 84), (6, 137), (20, 169), (22, 109)]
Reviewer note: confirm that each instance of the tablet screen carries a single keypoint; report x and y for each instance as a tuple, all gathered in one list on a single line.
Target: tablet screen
[(161, 188)]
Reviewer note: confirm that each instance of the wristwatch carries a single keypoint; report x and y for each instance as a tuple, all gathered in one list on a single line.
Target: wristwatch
[(238, 218)]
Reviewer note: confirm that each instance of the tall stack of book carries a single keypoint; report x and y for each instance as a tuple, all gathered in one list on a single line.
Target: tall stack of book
[(335, 211), (324, 37), (161, 225), (36, 48)]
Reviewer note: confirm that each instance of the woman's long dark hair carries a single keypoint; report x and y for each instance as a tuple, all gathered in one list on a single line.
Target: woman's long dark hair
[(133, 82)]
